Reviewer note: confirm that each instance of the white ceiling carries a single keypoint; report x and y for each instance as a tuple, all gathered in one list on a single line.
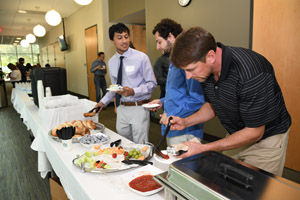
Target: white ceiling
[(15, 24)]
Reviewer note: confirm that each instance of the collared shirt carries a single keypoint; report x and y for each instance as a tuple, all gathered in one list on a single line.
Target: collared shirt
[(183, 98), (247, 93), (96, 63), (137, 73)]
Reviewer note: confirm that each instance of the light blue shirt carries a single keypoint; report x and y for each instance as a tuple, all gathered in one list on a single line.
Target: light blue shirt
[(137, 73), (183, 98)]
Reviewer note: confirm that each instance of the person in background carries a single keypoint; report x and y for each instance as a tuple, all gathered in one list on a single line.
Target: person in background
[(28, 67), (241, 89), (22, 69), (183, 97), (138, 82), (99, 69), (47, 65), (15, 74), (161, 68)]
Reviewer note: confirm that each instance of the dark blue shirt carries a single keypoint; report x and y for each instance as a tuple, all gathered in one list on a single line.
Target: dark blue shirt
[(100, 72)]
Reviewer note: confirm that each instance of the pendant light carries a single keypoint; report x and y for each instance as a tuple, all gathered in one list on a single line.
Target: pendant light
[(24, 43), (83, 2), (30, 38), (39, 30), (52, 17)]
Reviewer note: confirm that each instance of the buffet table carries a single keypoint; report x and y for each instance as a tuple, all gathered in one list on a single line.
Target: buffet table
[(77, 185)]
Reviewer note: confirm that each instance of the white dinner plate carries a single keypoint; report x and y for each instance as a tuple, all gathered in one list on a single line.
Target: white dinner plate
[(146, 170), (149, 106), (115, 89)]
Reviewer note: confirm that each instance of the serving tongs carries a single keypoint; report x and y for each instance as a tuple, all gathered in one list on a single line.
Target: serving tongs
[(157, 150), (139, 162), (96, 110), (91, 113)]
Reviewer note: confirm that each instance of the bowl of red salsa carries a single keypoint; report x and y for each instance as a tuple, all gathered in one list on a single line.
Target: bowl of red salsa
[(141, 180)]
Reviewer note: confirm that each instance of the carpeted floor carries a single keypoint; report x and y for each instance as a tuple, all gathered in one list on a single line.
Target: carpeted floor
[(19, 177)]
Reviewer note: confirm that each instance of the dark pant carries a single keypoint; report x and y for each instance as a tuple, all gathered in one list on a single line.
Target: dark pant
[(162, 90), (100, 83)]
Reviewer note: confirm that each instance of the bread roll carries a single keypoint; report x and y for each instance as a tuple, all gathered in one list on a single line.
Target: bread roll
[(91, 124)]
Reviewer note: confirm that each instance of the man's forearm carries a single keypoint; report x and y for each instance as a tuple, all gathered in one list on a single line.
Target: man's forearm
[(238, 139), (205, 113)]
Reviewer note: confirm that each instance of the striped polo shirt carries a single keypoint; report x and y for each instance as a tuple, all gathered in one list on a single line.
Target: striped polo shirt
[(247, 93)]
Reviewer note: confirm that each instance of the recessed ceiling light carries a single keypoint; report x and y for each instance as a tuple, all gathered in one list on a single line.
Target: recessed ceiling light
[(22, 11), (16, 41), (18, 38)]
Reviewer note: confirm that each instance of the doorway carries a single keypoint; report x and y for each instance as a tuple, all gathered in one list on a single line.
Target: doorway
[(91, 45)]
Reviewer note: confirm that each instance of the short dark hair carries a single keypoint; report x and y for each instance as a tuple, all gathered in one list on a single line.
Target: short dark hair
[(192, 46), (117, 28), (166, 26), (100, 53), (21, 59)]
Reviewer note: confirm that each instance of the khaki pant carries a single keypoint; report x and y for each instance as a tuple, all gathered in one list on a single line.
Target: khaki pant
[(268, 154), (133, 123)]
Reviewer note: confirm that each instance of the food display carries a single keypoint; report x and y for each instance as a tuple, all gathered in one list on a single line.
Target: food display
[(81, 127), (144, 183), (90, 140), (115, 88), (102, 155), (141, 180)]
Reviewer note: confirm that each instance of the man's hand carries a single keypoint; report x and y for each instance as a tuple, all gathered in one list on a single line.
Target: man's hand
[(156, 101), (177, 123), (99, 105), (127, 91), (164, 119), (193, 148)]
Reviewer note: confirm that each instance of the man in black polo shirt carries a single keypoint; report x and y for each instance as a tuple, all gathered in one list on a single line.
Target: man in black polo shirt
[(241, 89), (99, 70)]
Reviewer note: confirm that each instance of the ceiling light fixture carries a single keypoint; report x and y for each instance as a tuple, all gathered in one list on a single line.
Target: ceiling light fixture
[(24, 43), (22, 11), (83, 2), (52, 17), (39, 31), (30, 38)]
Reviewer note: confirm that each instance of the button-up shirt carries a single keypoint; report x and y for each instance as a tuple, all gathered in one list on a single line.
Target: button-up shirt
[(183, 98), (137, 73)]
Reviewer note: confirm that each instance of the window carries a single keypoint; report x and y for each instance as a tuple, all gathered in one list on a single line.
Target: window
[(12, 53)]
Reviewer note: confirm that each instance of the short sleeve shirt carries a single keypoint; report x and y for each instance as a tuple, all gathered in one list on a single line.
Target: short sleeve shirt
[(247, 93)]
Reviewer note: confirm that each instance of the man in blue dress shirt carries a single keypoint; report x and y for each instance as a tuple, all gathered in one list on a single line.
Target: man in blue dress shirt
[(183, 97), (99, 70), (138, 82)]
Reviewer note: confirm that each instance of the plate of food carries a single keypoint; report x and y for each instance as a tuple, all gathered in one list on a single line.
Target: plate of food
[(150, 106), (115, 88), (81, 128), (163, 163), (104, 159), (141, 180), (89, 141)]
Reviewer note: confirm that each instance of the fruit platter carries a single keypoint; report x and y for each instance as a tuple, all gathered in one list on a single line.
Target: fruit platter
[(105, 159)]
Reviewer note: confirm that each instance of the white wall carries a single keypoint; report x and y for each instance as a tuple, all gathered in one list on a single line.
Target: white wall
[(75, 57)]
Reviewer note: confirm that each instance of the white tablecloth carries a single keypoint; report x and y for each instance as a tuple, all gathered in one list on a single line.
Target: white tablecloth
[(77, 185)]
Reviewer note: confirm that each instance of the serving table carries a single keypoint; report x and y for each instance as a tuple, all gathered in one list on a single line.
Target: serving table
[(77, 185)]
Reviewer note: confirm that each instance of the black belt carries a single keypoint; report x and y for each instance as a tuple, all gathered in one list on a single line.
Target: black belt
[(99, 75)]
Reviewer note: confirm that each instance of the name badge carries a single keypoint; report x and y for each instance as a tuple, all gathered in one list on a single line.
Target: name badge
[(129, 68)]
